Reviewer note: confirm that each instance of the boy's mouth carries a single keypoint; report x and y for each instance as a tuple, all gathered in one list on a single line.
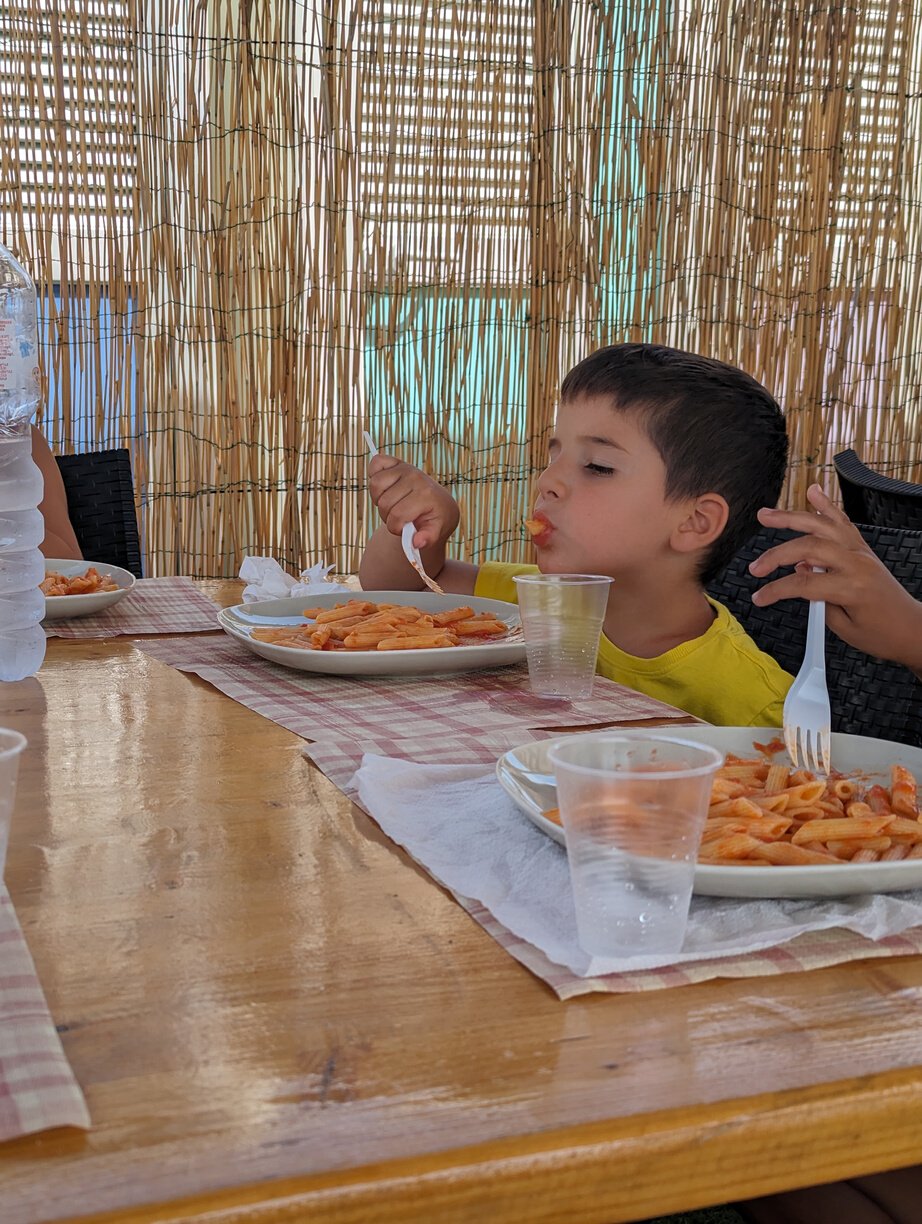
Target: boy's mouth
[(539, 528)]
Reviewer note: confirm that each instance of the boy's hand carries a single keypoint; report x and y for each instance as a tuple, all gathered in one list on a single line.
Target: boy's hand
[(403, 494), (865, 605)]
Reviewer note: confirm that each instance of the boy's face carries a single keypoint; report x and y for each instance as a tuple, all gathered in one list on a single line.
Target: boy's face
[(603, 495)]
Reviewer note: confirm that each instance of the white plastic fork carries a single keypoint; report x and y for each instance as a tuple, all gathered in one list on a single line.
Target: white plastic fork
[(807, 716), (411, 553)]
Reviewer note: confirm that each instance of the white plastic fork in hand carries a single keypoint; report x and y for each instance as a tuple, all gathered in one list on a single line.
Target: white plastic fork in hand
[(411, 552), (806, 707), (406, 537)]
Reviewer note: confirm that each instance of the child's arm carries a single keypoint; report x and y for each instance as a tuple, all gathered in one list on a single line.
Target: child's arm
[(865, 605), (59, 540), (404, 494)]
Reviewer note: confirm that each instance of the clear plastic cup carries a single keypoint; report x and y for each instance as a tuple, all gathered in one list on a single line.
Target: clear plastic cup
[(633, 808), (562, 617), (11, 745)]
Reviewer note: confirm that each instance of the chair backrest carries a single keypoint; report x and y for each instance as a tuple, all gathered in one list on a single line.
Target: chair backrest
[(868, 497), (868, 696), (100, 500)]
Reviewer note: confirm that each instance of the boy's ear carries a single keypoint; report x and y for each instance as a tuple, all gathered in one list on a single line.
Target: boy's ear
[(706, 519)]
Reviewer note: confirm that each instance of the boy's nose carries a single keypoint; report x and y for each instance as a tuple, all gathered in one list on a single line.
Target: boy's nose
[(549, 483)]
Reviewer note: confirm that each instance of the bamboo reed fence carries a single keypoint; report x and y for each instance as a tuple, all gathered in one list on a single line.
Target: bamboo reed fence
[(259, 228)]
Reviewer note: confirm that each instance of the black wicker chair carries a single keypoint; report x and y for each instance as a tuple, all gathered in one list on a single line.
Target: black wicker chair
[(100, 500), (868, 497), (868, 696)]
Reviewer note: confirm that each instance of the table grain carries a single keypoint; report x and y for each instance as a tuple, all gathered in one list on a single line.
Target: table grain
[(276, 1016)]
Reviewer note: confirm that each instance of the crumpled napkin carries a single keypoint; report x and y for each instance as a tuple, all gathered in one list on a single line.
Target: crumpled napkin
[(267, 580), (458, 823)]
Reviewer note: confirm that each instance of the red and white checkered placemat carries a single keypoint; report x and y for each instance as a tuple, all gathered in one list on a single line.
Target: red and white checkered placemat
[(814, 950), (375, 713), (37, 1086), (473, 718), (155, 605)]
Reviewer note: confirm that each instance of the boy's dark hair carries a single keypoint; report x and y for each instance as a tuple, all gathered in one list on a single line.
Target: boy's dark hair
[(716, 429)]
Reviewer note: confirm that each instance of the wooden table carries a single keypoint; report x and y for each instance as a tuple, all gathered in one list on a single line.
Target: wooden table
[(275, 1016)]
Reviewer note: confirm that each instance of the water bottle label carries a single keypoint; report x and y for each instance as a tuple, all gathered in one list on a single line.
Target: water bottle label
[(18, 359)]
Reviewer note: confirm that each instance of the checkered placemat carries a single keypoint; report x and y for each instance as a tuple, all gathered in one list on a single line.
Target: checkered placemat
[(814, 950), (809, 950), (377, 713), (155, 605), (37, 1086), (473, 718)]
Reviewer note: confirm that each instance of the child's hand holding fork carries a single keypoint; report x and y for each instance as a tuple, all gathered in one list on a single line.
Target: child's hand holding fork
[(404, 494), (865, 605)]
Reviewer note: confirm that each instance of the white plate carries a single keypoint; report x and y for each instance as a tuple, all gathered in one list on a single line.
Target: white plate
[(239, 622), (526, 775), (66, 607)]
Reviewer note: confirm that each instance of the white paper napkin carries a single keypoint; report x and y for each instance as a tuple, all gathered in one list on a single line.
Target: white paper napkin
[(458, 823), (267, 580)]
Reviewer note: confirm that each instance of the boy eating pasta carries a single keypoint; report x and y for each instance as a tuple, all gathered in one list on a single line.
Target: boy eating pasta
[(657, 466)]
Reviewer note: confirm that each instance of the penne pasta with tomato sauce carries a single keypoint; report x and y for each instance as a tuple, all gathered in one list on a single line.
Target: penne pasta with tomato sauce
[(88, 583), (359, 624), (816, 820), (765, 814)]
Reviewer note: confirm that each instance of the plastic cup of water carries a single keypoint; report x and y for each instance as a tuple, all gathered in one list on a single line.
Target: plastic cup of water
[(562, 617), (11, 745), (633, 808)]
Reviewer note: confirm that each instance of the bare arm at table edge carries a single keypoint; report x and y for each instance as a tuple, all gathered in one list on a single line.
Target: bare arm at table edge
[(865, 605), (59, 540), (404, 494)]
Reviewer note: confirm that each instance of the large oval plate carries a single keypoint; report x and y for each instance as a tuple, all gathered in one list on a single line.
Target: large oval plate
[(241, 620), (67, 607), (526, 775)]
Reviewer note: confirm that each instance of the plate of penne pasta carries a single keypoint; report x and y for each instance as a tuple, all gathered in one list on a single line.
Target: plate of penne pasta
[(80, 588), (380, 633), (771, 830)]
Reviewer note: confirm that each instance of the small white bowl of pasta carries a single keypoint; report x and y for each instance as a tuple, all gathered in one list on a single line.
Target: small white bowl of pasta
[(80, 588)]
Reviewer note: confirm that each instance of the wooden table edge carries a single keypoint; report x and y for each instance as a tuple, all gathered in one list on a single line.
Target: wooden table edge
[(598, 1173)]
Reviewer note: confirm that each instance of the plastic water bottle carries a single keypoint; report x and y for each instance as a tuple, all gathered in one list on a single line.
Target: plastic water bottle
[(22, 566)]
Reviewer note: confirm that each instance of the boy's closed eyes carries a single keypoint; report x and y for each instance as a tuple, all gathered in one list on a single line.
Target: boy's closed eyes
[(590, 460)]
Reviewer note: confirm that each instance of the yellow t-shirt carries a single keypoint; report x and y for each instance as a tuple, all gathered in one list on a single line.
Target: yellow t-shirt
[(722, 676)]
